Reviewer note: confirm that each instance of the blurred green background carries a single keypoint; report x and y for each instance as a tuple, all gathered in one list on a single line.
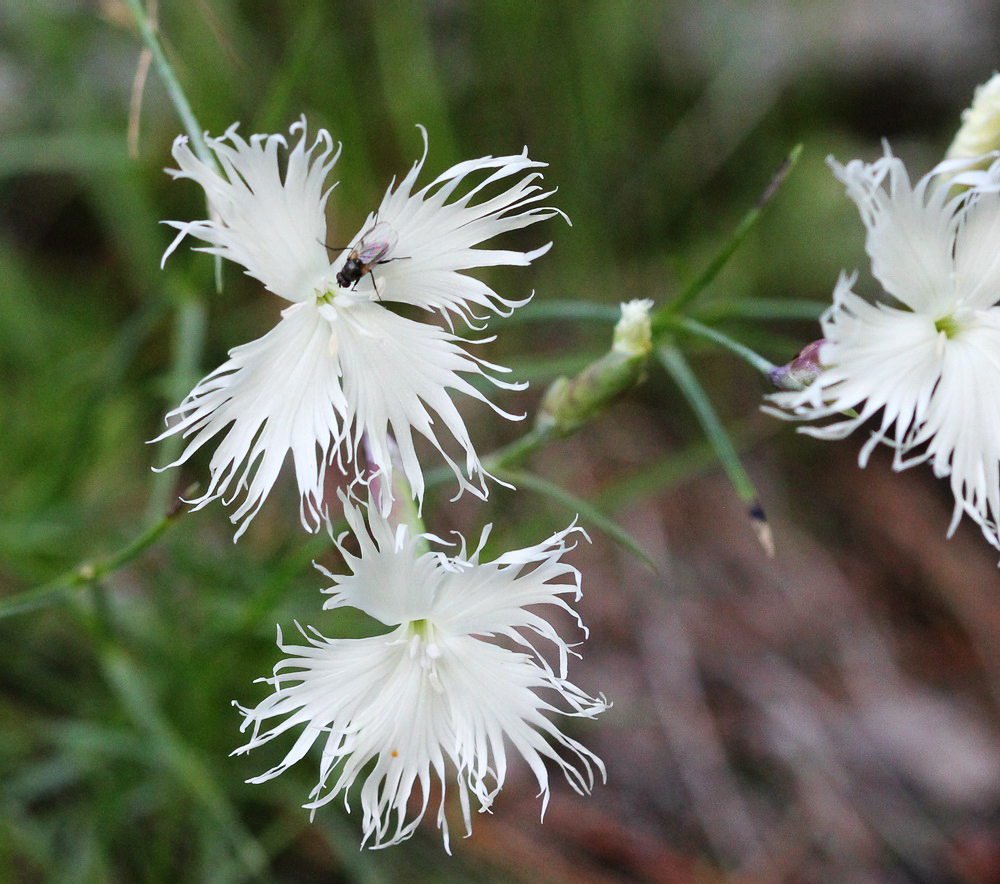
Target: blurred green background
[(829, 715)]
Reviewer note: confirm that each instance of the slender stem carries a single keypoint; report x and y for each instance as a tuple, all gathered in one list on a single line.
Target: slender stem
[(148, 29), (512, 453), (135, 105), (499, 460), (171, 83), (703, 331), (517, 450), (86, 574), (189, 333), (696, 286)]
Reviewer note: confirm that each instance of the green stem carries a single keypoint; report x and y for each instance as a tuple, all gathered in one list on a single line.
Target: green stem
[(703, 331), (500, 460), (189, 331), (517, 450), (578, 506), (171, 83), (696, 286), (86, 574)]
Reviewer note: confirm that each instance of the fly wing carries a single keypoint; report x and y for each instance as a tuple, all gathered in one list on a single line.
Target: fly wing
[(377, 244)]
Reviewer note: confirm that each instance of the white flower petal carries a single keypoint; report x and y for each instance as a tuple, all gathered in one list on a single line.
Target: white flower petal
[(322, 389), (436, 237), (272, 224), (399, 710), (390, 579), (381, 378), (277, 394), (465, 595), (977, 258), (962, 427), (929, 373), (397, 374), (910, 235)]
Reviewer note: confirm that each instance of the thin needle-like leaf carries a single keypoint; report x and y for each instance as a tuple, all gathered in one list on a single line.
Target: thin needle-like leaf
[(697, 285), (577, 505), (703, 331), (677, 367)]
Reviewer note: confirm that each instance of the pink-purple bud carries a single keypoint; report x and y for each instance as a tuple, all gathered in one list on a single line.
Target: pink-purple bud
[(801, 371)]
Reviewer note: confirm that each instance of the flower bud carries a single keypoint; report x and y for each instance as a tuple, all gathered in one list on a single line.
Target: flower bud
[(801, 371), (571, 402), (980, 130)]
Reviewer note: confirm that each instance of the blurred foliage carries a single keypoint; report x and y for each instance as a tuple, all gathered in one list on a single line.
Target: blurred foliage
[(662, 123)]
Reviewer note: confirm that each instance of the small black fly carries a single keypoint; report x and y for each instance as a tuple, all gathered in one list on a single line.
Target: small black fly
[(376, 242)]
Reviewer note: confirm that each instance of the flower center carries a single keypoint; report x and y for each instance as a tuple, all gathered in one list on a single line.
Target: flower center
[(425, 647), (335, 296), (949, 326)]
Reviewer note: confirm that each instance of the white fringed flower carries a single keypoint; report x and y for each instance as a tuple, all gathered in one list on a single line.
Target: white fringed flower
[(437, 693), (979, 133), (929, 363), (340, 365)]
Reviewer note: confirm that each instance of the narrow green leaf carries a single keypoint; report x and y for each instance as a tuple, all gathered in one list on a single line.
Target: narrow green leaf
[(179, 100), (703, 331), (138, 699), (171, 83), (762, 308), (578, 506), (677, 467), (676, 365), (696, 286)]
